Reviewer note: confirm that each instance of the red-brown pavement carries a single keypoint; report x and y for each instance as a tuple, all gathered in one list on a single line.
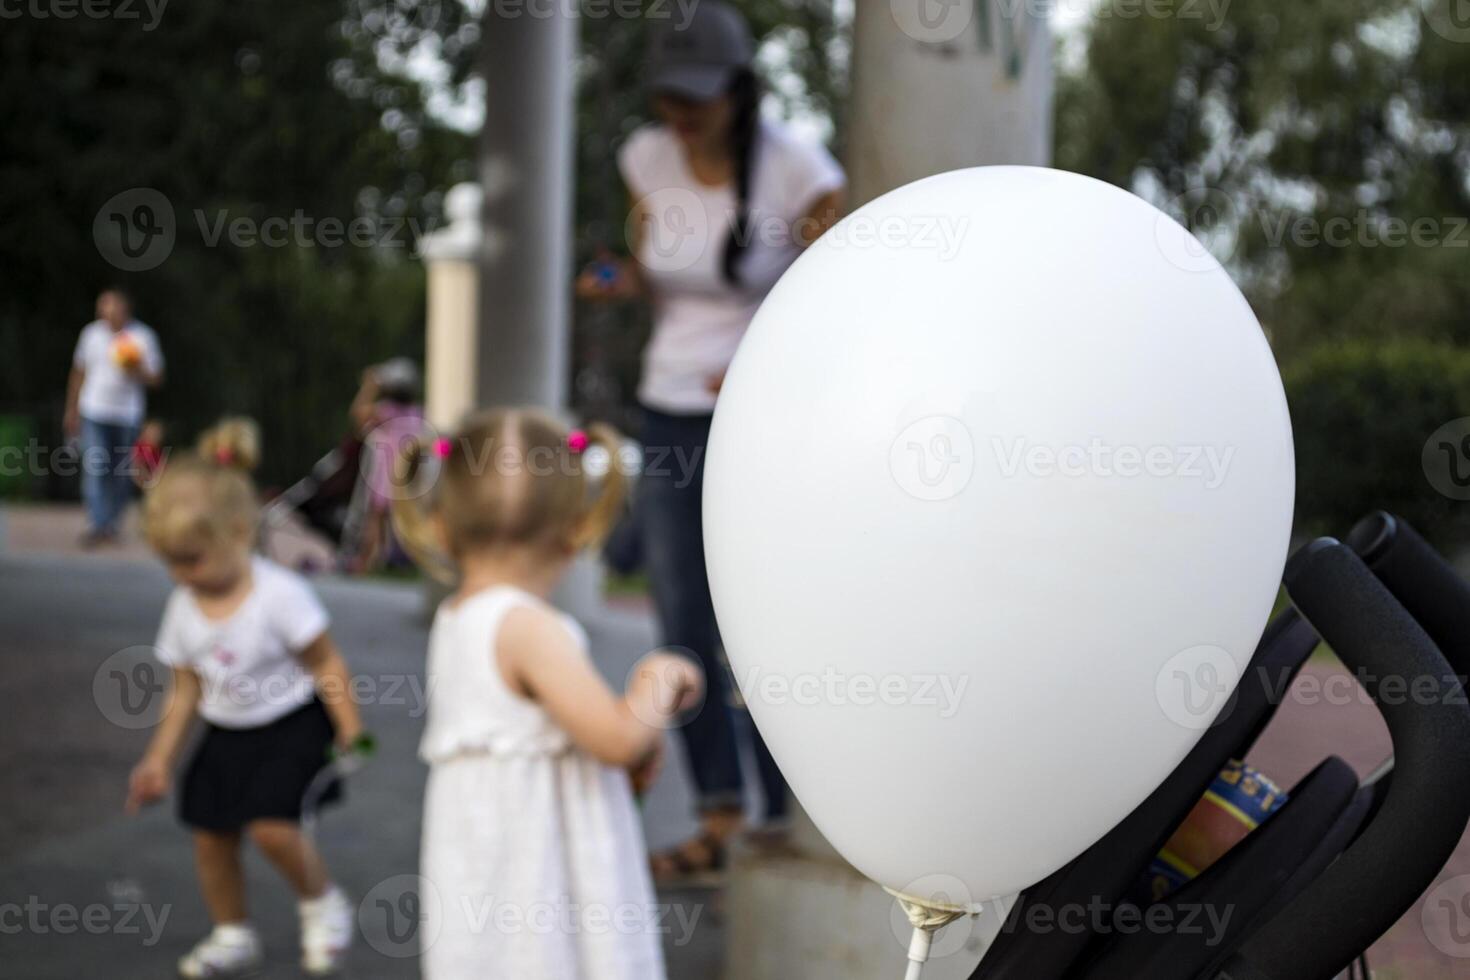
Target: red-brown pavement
[(1327, 713)]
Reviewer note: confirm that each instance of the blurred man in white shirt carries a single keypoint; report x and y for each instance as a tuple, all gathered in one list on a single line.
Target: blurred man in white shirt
[(117, 358)]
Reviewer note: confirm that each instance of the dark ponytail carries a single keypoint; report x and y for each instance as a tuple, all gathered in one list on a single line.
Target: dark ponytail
[(744, 133)]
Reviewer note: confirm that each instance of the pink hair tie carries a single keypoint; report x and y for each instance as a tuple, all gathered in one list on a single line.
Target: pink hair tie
[(224, 456), (577, 440), (443, 447)]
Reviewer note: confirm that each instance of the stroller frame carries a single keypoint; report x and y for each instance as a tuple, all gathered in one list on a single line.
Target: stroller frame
[(1330, 872)]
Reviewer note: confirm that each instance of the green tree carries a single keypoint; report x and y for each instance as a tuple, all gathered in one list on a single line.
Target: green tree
[(259, 114), (1323, 151), (262, 110)]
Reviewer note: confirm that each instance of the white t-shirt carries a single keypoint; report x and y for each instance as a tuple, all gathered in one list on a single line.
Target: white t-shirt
[(699, 318), (110, 394), (247, 664)]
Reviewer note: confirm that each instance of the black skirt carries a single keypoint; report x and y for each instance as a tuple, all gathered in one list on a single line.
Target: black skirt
[(242, 774)]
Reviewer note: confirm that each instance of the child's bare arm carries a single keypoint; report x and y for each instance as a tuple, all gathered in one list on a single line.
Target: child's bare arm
[(541, 660), (183, 704), (149, 779), (334, 685)]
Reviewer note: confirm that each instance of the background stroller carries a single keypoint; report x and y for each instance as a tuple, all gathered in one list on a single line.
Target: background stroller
[(343, 496)]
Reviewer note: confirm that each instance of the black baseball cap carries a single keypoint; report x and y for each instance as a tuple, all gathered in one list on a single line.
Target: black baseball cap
[(699, 58)]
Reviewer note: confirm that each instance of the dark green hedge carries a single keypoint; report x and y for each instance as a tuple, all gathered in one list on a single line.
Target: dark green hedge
[(1361, 413)]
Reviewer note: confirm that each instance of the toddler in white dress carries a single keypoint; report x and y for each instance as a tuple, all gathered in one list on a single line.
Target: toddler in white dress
[(533, 853)]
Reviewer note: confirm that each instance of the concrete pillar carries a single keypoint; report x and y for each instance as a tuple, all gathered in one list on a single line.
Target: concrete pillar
[(528, 61), (500, 275), (452, 259), (456, 381), (943, 84)]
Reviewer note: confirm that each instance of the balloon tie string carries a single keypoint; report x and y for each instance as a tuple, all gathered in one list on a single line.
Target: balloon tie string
[(926, 920)]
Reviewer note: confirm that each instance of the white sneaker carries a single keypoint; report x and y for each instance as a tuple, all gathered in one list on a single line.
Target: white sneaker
[(229, 951), (326, 932)]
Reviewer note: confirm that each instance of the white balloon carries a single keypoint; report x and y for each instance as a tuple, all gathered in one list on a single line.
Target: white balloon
[(996, 505)]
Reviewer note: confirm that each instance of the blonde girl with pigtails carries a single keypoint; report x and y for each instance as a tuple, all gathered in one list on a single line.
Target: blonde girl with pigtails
[(247, 644), (532, 843)]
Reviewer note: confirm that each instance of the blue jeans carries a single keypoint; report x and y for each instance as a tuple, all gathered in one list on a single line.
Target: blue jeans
[(107, 482), (669, 517)]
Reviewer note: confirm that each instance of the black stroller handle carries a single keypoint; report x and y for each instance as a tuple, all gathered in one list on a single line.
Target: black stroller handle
[(1425, 810), (1421, 580)]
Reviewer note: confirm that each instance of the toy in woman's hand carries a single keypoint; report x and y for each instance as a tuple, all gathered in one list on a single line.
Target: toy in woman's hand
[(126, 353), (606, 272)]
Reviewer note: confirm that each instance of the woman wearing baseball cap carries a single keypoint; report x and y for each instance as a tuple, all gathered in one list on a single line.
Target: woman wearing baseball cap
[(723, 202)]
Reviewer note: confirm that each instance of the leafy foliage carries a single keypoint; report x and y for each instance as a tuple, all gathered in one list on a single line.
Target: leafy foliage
[(261, 111), (1362, 411), (253, 110), (1323, 152)]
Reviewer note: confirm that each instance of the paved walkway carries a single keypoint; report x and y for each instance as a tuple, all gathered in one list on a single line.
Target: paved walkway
[(105, 895), (1326, 714), (98, 894)]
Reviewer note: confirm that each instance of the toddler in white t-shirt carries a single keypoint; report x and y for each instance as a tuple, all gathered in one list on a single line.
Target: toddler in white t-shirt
[(249, 650)]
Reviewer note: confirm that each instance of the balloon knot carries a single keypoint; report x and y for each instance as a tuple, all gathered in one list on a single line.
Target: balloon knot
[(931, 917)]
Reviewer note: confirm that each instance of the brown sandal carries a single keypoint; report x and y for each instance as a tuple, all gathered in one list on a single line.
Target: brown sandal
[(698, 862)]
